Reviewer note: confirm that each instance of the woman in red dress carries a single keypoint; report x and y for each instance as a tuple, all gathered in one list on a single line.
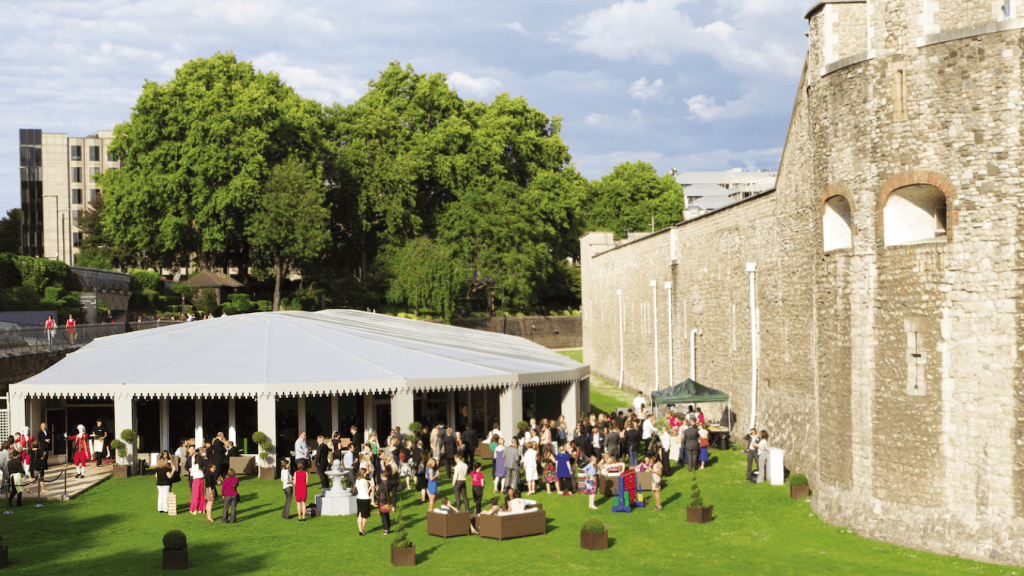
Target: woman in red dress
[(300, 490)]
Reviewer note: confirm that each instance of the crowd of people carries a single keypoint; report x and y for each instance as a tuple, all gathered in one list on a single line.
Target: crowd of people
[(543, 455)]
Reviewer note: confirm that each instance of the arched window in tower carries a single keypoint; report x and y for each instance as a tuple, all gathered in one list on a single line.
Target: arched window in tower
[(836, 224), (914, 215)]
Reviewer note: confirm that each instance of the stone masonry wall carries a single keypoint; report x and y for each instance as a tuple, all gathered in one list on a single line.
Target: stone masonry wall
[(935, 463), (851, 29), (956, 14)]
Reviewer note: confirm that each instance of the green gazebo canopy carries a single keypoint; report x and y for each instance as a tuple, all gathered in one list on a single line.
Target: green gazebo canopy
[(687, 392)]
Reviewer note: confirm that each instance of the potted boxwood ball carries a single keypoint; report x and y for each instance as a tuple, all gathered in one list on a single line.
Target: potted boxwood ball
[(175, 550), (120, 466), (593, 535), (798, 487)]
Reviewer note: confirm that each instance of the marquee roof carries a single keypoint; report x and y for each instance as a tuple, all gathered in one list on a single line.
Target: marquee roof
[(300, 353)]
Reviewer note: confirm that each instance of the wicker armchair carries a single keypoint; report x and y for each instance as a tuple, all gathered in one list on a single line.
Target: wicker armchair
[(527, 523), (447, 525)]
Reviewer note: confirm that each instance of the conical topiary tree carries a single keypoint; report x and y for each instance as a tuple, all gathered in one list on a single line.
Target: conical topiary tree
[(401, 539), (696, 500)]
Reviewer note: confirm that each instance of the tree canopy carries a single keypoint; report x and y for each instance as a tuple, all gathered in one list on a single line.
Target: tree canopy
[(410, 192), (195, 155), (10, 232), (289, 224), (629, 196)]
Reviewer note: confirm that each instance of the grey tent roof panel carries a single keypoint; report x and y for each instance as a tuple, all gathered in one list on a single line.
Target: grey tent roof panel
[(299, 353)]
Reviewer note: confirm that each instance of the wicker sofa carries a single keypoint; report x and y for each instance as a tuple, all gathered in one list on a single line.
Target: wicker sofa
[(448, 525), (529, 523)]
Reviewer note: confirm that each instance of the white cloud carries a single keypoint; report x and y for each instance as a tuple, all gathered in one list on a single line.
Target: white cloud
[(706, 107), (482, 87), (641, 90), (324, 84), (595, 119), (657, 31), (594, 166), (636, 115), (517, 27)]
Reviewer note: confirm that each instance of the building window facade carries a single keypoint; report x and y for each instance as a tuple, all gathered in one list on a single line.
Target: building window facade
[(76, 195), (92, 173), (94, 194), (31, 160), (94, 153), (76, 153), (76, 239), (76, 175)]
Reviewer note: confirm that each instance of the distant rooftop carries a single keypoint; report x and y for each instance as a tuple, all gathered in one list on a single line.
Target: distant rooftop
[(736, 176), (706, 190), (710, 203)]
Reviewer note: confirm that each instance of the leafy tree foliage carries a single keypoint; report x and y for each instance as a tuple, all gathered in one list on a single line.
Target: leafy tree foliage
[(289, 224), (426, 275), (195, 155), (630, 195), (10, 232)]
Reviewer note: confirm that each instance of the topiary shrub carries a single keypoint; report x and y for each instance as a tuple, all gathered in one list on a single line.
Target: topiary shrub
[(116, 444), (522, 425), (415, 427), (696, 500), (128, 435), (411, 438), (122, 453), (797, 480), (175, 540), (264, 305), (259, 437), (265, 456), (401, 539), (593, 526), (267, 446)]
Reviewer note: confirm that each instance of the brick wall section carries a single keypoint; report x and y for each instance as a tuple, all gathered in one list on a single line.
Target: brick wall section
[(550, 331), (15, 368)]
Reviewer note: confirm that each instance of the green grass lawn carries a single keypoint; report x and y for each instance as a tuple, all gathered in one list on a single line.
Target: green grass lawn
[(115, 529)]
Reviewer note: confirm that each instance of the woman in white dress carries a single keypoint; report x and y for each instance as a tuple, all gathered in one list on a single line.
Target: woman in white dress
[(530, 464)]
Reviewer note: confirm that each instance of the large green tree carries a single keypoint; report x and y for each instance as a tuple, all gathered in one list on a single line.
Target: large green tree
[(195, 156), (426, 275), (491, 183), (10, 232), (289, 225), (630, 196)]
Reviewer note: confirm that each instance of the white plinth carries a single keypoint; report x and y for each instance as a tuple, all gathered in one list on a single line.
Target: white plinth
[(776, 471), (336, 505)]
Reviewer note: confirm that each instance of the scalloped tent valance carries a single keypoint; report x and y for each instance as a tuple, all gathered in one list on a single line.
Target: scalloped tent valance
[(299, 354)]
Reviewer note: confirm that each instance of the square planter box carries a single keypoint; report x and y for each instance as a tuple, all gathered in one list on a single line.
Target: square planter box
[(597, 541), (176, 559), (121, 471), (799, 492), (698, 515), (266, 473), (403, 556)]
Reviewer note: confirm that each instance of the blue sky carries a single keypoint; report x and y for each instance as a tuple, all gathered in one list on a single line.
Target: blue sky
[(698, 85)]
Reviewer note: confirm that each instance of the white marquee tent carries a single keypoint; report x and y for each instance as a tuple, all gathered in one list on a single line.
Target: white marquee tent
[(271, 355)]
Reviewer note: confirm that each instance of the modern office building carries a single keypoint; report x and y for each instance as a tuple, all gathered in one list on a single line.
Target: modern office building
[(739, 183), (56, 188)]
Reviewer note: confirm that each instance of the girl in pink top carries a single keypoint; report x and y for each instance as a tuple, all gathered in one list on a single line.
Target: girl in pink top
[(478, 485)]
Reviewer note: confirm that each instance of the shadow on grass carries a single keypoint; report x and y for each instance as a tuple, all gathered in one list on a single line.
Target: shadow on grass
[(671, 499), (549, 525), (611, 541), (421, 556)]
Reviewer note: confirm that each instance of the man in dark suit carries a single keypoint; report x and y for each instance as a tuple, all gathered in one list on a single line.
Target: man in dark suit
[(45, 439), (220, 451), (323, 456), (691, 440), (449, 451), (232, 451), (469, 445)]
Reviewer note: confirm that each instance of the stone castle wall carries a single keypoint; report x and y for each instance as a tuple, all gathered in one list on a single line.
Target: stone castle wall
[(891, 375)]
